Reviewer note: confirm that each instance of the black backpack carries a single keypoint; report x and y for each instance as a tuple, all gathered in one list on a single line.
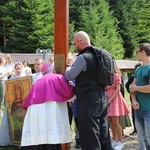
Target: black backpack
[(105, 66)]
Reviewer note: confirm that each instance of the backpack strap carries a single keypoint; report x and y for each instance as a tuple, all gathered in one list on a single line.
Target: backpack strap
[(97, 51)]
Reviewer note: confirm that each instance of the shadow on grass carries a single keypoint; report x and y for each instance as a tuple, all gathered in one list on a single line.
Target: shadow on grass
[(10, 148)]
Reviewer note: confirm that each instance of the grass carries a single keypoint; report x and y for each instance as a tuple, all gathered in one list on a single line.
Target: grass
[(10, 148), (72, 126)]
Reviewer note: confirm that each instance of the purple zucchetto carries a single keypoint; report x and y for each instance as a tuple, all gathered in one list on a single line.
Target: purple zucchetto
[(47, 68)]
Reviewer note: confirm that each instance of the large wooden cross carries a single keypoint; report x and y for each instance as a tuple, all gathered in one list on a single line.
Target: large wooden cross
[(61, 34)]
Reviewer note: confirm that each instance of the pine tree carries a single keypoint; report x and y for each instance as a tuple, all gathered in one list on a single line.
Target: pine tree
[(28, 25), (99, 23), (141, 11), (134, 20)]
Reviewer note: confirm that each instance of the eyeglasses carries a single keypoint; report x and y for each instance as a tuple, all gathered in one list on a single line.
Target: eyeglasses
[(137, 52), (76, 42)]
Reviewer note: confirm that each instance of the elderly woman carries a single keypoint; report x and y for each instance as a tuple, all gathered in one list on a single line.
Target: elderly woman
[(46, 124), (4, 128)]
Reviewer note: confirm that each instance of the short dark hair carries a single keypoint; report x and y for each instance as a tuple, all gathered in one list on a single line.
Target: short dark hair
[(145, 47), (138, 65), (26, 62)]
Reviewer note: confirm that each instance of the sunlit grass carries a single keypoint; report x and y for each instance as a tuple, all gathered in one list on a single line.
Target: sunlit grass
[(72, 126), (10, 148)]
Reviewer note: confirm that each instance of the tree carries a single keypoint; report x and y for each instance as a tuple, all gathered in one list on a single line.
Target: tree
[(28, 25), (123, 11), (134, 20), (99, 23), (142, 13)]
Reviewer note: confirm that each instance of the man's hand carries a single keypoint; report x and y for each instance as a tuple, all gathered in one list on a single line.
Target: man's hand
[(71, 83), (133, 88), (135, 105)]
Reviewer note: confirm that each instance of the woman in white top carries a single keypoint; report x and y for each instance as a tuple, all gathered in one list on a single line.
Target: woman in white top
[(4, 128), (9, 64), (3, 76), (27, 69), (19, 70)]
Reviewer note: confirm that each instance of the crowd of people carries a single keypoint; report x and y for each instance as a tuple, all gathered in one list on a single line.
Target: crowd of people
[(96, 109)]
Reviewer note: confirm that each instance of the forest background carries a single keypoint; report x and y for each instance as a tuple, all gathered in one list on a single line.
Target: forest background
[(116, 25)]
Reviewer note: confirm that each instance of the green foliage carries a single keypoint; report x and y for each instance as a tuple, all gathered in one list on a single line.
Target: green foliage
[(118, 26), (28, 25), (97, 20), (134, 20), (142, 11), (122, 10)]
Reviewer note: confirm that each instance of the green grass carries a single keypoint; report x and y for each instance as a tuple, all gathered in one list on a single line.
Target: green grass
[(10, 148), (72, 126)]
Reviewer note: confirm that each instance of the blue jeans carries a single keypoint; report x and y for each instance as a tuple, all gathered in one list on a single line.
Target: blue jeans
[(142, 119)]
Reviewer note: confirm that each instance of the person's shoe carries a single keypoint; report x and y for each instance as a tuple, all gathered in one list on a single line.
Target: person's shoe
[(133, 133), (114, 143), (77, 146), (119, 146)]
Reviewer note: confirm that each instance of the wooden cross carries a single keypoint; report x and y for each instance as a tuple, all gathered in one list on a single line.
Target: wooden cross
[(61, 34)]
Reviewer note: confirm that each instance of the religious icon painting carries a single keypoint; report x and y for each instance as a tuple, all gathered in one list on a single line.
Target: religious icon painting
[(17, 90)]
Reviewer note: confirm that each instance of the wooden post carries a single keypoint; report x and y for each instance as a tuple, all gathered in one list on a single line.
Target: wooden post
[(61, 34)]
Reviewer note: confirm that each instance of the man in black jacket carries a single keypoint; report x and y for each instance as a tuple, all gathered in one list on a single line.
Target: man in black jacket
[(92, 98)]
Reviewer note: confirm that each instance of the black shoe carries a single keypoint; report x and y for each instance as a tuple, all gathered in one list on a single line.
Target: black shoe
[(133, 133), (77, 146)]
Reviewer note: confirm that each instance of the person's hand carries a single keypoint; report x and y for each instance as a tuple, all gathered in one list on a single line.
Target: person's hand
[(109, 101), (8, 73), (12, 73), (133, 88), (135, 105), (70, 58), (71, 83)]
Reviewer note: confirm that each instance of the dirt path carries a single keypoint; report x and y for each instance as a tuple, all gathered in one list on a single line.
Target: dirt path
[(130, 142)]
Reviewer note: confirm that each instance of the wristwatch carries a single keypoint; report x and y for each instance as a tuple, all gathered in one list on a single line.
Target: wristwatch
[(69, 65)]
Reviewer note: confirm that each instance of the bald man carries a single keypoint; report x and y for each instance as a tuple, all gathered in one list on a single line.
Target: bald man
[(92, 99)]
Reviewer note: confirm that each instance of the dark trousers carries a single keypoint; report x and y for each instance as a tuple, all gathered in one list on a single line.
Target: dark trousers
[(93, 127), (104, 130), (70, 112)]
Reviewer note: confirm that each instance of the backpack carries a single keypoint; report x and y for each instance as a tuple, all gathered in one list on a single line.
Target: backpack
[(105, 66)]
